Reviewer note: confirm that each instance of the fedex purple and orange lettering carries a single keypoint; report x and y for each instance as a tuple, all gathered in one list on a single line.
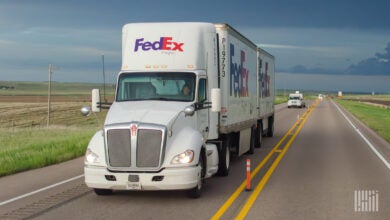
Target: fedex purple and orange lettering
[(165, 43), (264, 79), (238, 75)]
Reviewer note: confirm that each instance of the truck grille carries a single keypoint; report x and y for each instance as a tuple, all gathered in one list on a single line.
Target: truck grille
[(148, 148), (140, 150), (119, 147)]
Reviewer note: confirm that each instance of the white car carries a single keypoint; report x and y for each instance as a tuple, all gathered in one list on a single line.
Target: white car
[(296, 100)]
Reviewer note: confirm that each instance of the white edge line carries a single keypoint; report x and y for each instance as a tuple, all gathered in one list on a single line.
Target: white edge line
[(387, 164), (40, 190)]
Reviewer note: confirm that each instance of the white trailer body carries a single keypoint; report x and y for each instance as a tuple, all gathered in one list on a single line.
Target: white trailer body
[(247, 84), (156, 135), (266, 89)]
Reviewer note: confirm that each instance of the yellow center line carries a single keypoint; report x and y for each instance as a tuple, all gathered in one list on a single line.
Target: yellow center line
[(244, 211), (241, 188)]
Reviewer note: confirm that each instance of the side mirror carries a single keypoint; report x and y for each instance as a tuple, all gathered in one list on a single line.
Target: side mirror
[(215, 100), (189, 110), (85, 110)]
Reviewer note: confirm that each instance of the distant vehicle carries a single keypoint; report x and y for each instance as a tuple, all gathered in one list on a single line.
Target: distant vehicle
[(296, 100), (340, 94)]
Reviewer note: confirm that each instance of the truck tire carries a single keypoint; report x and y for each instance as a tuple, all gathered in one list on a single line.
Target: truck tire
[(259, 135), (197, 190), (252, 141), (103, 192), (224, 156), (270, 131)]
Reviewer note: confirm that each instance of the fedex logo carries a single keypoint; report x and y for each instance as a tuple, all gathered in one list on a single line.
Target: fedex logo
[(165, 43), (239, 75)]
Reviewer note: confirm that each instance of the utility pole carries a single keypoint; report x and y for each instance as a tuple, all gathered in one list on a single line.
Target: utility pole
[(48, 95), (104, 81)]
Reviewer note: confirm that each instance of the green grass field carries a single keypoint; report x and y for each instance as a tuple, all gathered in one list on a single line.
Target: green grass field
[(385, 97), (24, 149), (27, 143), (25, 140), (376, 118)]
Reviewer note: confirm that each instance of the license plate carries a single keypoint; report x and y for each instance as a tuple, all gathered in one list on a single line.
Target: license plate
[(134, 185)]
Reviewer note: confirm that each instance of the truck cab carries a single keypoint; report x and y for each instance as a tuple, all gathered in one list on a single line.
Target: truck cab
[(296, 100)]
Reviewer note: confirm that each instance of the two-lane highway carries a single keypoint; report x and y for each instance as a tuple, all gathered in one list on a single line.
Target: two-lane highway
[(324, 165), (318, 177)]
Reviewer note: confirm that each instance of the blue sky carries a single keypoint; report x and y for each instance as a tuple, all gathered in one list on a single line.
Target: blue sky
[(332, 37)]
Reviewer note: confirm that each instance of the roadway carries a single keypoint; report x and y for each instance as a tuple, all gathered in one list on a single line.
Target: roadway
[(312, 168)]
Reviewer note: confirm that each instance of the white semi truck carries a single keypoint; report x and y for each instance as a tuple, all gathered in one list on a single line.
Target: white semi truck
[(296, 100), (188, 96)]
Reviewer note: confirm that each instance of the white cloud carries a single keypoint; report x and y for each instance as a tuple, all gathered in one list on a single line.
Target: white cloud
[(5, 42), (62, 44), (91, 51), (294, 47)]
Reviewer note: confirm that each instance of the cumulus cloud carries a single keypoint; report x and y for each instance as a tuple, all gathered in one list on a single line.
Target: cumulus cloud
[(306, 70), (302, 48), (378, 65)]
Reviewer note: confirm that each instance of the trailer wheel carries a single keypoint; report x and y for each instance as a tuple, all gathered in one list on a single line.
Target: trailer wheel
[(224, 156), (270, 131), (252, 141), (103, 192), (259, 135), (197, 190)]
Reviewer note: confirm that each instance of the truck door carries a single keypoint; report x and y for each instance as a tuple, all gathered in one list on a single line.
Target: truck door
[(202, 108)]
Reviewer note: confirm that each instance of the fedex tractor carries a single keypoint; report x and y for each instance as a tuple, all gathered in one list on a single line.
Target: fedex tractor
[(188, 97)]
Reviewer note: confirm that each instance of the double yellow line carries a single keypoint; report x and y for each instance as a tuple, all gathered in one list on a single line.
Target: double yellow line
[(252, 198)]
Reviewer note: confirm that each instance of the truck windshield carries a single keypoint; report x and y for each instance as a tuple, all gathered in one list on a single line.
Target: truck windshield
[(167, 86), (295, 98)]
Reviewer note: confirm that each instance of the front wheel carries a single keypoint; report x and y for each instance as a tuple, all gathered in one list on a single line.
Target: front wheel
[(224, 156), (197, 190)]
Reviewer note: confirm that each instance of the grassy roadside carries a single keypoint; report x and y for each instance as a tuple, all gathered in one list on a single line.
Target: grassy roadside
[(378, 119), (29, 148), (23, 148), (25, 141)]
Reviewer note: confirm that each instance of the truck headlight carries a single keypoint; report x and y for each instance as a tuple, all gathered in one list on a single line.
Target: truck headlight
[(91, 157), (185, 157)]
